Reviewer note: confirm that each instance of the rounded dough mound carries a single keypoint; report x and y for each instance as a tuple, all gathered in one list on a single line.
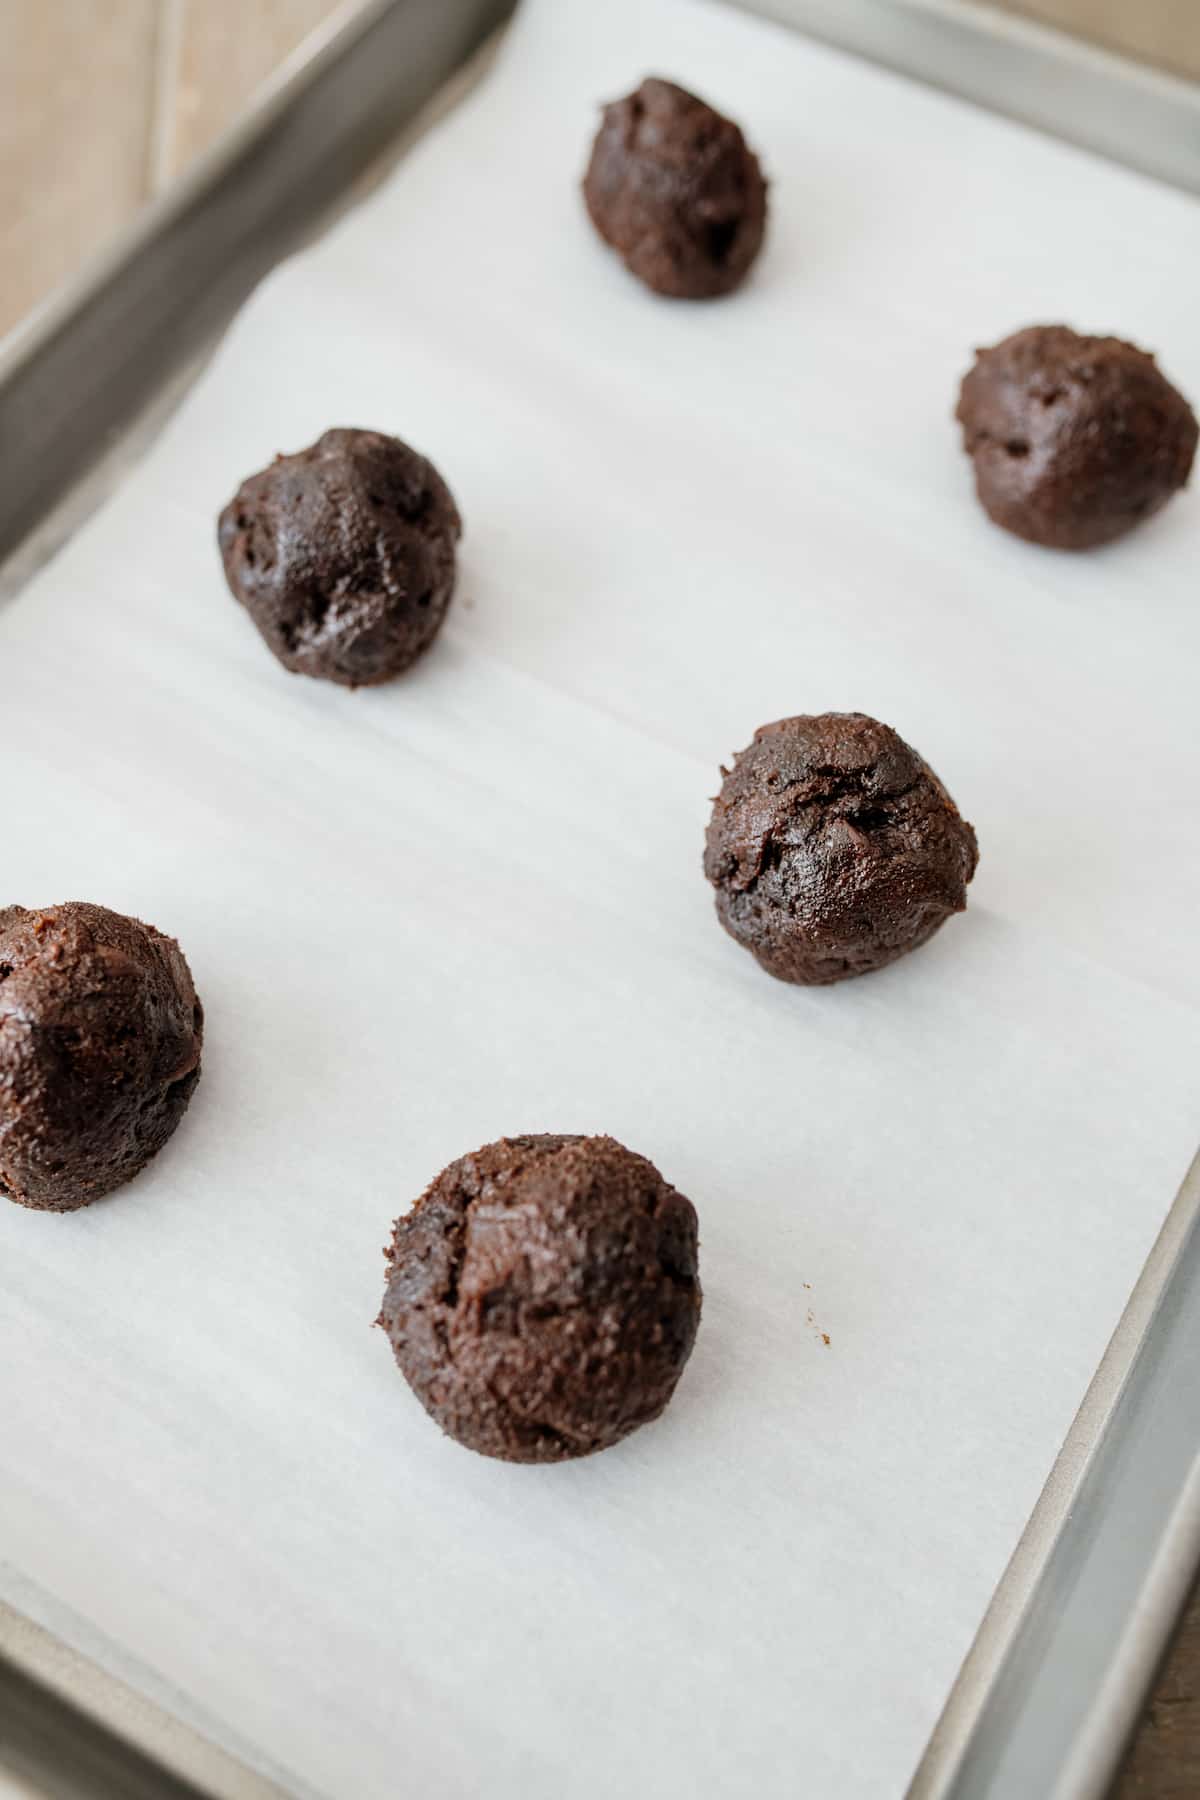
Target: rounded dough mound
[(675, 190), (100, 1039), (344, 556), (1075, 440), (542, 1296), (834, 848)]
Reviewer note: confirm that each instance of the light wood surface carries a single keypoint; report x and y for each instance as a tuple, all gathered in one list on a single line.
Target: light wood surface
[(76, 117), (215, 55), (102, 102), (1164, 1759), (1166, 32)]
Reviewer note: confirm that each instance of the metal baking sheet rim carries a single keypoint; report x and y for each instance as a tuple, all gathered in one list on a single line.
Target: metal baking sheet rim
[(1053, 1683)]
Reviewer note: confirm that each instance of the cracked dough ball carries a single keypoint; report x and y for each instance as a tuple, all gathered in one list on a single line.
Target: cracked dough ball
[(344, 556), (1075, 439), (675, 189), (100, 1038), (834, 849), (542, 1296)]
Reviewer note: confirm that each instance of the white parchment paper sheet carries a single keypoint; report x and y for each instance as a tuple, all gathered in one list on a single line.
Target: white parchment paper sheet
[(471, 903)]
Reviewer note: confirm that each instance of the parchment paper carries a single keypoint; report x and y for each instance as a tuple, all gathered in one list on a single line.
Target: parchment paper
[(471, 903)]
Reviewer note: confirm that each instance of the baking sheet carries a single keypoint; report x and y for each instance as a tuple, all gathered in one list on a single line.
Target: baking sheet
[(471, 903)]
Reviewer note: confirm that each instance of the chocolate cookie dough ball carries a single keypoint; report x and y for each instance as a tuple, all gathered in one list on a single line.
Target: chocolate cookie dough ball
[(344, 556), (100, 1034), (834, 849), (674, 188), (1074, 439), (542, 1296)]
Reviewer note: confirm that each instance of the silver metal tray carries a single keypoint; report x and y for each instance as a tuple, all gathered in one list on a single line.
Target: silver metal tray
[(1062, 1661)]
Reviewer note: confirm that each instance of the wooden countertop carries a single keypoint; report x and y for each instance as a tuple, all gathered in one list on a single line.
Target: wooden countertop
[(102, 102)]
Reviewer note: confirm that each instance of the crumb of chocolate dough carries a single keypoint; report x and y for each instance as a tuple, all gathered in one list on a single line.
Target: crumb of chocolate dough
[(833, 848), (1074, 440), (675, 190), (543, 1296), (100, 1040), (344, 555)]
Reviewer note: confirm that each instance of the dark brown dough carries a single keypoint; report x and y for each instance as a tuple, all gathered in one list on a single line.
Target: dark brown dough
[(542, 1296), (834, 848), (344, 556), (100, 1037), (676, 191), (1074, 439)]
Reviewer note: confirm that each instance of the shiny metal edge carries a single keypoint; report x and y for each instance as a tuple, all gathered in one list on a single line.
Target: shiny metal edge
[(1076, 92), (1101, 1571), (69, 1728), (1054, 1682)]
